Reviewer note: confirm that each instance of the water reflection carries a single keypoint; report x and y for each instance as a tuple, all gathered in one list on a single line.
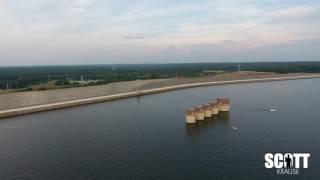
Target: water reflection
[(221, 120)]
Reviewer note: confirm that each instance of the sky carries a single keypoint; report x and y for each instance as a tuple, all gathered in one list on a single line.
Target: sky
[(46, 32)]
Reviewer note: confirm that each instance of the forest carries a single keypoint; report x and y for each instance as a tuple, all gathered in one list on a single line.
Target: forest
[(24, 77)]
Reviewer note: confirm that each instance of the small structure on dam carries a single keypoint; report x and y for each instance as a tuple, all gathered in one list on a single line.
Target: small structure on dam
[(191, 116), (199, 113), (207, 110), (214, 108), (223, 104)]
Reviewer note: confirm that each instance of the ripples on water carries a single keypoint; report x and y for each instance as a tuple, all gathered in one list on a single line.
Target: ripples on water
[(146, 137)]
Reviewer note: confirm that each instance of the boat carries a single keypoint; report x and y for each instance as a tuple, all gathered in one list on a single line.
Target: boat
[(234, 128), (272, 110)]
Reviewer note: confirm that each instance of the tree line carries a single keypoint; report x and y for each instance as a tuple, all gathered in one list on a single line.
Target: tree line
[(24, 77)]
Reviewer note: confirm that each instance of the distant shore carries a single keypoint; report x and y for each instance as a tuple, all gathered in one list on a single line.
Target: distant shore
[(20, 103)]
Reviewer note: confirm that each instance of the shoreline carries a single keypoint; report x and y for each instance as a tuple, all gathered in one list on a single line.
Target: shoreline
[(84, 101)]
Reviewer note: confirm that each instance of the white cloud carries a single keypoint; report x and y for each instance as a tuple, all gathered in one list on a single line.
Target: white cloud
[(76, 30), (294, 12)]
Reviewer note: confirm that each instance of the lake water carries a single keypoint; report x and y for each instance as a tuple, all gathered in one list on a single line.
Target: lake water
[(147, 138)]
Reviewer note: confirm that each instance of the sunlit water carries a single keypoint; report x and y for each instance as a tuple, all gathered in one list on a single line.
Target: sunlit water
[(147, 138)]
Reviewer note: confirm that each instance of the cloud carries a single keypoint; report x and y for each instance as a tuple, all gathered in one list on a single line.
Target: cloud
[(129, 31), (294, 12)]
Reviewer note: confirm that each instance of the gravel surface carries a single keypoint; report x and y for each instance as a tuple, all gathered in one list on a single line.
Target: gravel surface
[(30, 98), (221, 77)]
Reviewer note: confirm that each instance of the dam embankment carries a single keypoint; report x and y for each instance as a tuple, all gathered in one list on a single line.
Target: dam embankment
[(136, 88)]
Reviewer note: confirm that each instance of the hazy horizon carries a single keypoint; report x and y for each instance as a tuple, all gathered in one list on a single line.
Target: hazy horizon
[(155, 63), (97, 32)]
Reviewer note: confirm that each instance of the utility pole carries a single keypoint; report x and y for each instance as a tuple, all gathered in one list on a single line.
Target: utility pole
[(19, 81), (138, 84), (114, 70)]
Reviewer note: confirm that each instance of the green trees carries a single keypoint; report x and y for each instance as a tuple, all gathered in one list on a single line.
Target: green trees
[(62, 83), (24, 77)]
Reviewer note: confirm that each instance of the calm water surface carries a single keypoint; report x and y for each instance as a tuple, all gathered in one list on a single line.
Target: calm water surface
[(146, 137)]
